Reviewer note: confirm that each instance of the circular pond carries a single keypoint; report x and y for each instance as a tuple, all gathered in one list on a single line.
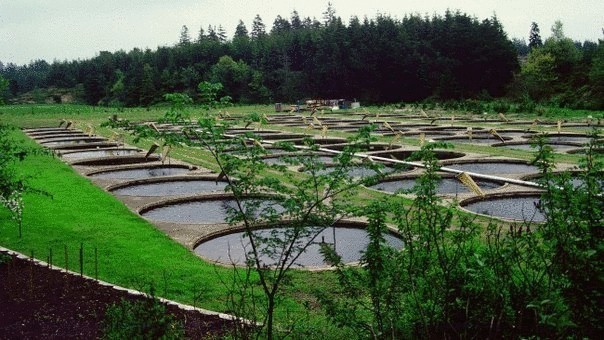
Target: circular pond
[(358, 171), (91, 145), (522, 207), (574, 178), (529, 147), (99, 153), (345, 127), (415, 125), (171, 187), (44, 129), (388, 132), (403, 155), (585, 128), (365, 148), (235, 131), (207, 210), (283, 136), (273, 150), (494, 167), (480, 139), (58, 135), (568, 138), (319, 141), (50, 131), (449, 128), (428, 134), (350, 242), (72, 141), (453, 119), (120, 160), (141, 173), (444, 186)]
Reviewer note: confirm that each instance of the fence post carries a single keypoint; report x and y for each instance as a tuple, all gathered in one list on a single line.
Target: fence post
[(96, 264), (81, 259), (66, 258)]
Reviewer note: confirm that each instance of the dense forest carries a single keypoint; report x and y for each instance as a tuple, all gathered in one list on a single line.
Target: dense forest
[(380, 60)]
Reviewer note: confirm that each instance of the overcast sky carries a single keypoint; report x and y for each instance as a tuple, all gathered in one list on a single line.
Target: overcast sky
[(79, 29)]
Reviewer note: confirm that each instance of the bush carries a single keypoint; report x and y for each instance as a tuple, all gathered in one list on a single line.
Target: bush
[(526, 105), (501, 106), (141, 319)]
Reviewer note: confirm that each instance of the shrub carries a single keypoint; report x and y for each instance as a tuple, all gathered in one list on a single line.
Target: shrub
[(141, 319), (501, 106)]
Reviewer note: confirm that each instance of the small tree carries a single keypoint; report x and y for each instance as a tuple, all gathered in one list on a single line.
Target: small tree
[(535, 36), (539, 74), (3, 88), (12, 185), (258, 28), (185, 38), (141, 319), (209, 94), (572, 237), (14, 203)]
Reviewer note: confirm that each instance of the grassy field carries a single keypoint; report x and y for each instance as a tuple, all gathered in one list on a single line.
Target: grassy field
[(131, 252)]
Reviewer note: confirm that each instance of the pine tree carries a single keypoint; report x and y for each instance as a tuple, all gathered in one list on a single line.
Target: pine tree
[(201, 36), (221, 33), (280, 25), (185, 39), (295, 20), (147, 92), (241, 43), (258, 27), (240, 30), (534, 36), (329, 15), (212, 35), (3, 87)]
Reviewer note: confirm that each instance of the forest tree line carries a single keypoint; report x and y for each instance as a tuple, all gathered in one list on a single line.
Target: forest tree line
[(380, 60)]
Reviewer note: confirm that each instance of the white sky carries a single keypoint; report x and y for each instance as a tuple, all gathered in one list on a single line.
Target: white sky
[(79, 29)]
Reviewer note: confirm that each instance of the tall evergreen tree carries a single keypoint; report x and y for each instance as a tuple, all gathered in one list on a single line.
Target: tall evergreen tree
[(185, 38), (296, 23), (534, 36), (147, 92), (280, 25), (258, 28), (596, 78), (221, 33), (329, 15), (240, 45), (3, 87), (240, 30), (201, 35), (212, 34)]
